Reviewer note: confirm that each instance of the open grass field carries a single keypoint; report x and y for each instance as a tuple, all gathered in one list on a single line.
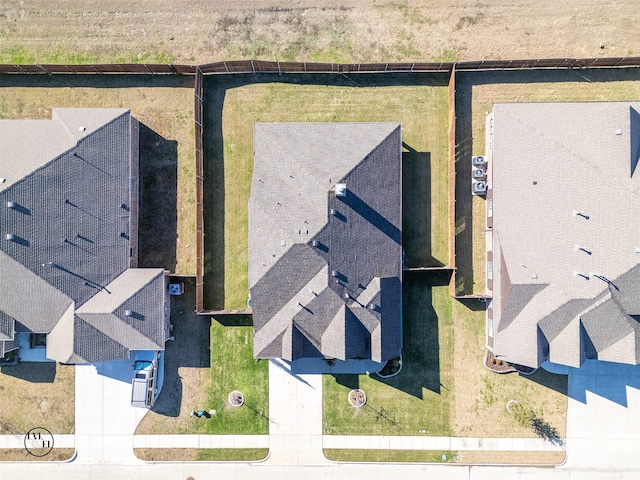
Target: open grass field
[(205, 362), (164, 107), (233, 108), (37, 395), (192, 31)]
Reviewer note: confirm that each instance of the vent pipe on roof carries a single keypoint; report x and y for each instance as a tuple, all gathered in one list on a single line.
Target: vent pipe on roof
[(341, 189), (129, 313), (11, 204), (11, 236), (580, 214)]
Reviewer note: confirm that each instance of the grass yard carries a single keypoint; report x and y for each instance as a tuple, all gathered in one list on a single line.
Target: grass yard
[(431, 456), (479, 409), (231, 367), (233, 108), (421, 396), (37, 395), (164, 106), (208, 454), (21, 455)]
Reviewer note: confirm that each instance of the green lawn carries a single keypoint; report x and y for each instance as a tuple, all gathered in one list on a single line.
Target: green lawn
[(421, 108), (420, 456), (421, 395), (234, 368)]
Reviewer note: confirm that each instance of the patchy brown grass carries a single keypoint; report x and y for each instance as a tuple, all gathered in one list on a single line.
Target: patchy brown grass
[(21, 455), (192, 31), (481, 396), (435, 456), (208, 454), (37, 395)]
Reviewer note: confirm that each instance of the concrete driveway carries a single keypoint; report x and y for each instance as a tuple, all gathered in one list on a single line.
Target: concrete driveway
[(105, 419), (603, 418)]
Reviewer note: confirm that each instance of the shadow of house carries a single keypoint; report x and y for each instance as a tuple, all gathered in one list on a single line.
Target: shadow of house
[(191, 348), (158, 219), (39, 372), (416, 209), (421, 345)]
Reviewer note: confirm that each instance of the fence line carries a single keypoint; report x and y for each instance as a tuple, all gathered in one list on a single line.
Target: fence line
[(260, 66), (452, 179), (198, 111)]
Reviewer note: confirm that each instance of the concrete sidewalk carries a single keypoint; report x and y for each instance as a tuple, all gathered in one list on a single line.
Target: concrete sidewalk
[(201, 441), (295, 416), (387, 442), (17, 441)]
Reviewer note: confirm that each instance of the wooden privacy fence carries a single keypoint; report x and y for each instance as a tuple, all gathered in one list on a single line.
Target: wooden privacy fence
[(199, 134), (259, 66)]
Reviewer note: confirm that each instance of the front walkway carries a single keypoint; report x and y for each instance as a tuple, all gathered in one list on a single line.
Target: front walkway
[(295, 416)]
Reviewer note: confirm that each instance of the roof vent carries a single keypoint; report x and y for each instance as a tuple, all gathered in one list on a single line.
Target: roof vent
[(371, 306), (332, 212), (347, 296), (477, 160), (82, 129), (618, 131), (11, 204), (283, 243), (11, 236), (2, 180), (334, 273), (129, 313), (341, 189), (315, 243)]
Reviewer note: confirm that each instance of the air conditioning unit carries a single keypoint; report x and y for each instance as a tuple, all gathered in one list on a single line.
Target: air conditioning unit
[(479, 188), (478, 160), (478, 174)]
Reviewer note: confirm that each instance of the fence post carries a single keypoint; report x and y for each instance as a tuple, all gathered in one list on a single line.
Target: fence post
[(253, 67)]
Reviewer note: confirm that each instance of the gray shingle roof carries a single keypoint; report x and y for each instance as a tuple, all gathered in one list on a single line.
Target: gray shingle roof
[(309, 249), (66, 204), (549, 163)]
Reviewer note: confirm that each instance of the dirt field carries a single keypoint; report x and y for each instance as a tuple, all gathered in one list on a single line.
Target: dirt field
[(193, 31), (37, 395)]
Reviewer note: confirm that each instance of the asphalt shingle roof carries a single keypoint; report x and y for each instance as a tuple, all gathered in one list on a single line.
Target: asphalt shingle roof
[(564, 187), (65, 216), (299, 229)]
